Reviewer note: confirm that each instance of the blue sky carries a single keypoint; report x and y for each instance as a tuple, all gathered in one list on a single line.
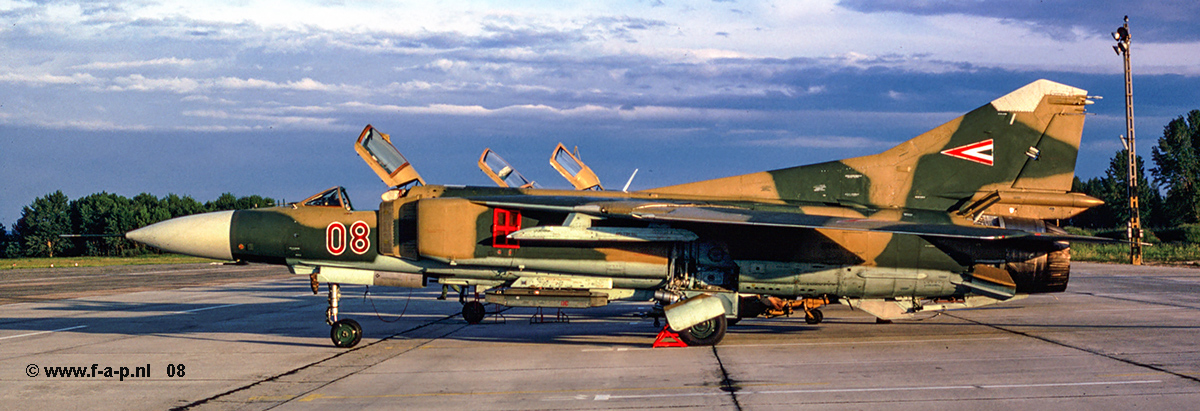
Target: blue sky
[(266, 97)]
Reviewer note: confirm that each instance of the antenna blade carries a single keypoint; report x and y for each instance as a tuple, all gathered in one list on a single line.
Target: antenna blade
[(626, 189)]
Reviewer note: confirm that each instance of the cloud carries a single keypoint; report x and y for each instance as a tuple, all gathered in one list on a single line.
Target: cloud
[(138, 82), (121, 65), (816, 142), (305, 84), (91, 125), (590, 111), (1171, 21), (304, 122), (43, 79)]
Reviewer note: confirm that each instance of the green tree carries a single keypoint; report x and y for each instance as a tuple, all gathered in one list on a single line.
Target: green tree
[(1177, 159), (41, 223), (3, 241), (254, 201), (1117, 181), (177, 206), (226, 201), (1113, 188), (104, 213), (147, 209), (1095, 217)]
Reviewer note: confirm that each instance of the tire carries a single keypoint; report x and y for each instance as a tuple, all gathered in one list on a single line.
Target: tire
[(706, 333), (814, 317), (473, 312), (345, 333)]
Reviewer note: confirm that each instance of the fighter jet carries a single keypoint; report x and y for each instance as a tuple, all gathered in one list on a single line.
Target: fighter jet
[(956, 217)]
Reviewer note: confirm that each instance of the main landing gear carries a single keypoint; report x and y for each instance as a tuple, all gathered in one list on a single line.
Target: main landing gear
[(345, 333), (473, 312), (706, 333)]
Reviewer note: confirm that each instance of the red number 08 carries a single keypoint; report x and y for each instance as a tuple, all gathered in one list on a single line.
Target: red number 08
[(337, 237)]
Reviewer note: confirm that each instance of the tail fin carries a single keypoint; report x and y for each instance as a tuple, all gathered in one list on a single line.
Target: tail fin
[(1024, 142)]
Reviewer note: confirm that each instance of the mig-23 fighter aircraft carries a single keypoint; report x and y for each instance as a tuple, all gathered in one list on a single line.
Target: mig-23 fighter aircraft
[(953, 218)]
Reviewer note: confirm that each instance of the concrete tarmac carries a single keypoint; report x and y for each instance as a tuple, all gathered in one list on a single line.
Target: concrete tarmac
[(1121, 337)]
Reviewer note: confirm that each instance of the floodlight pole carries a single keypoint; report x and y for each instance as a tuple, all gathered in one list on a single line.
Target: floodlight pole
[(1135, 221)]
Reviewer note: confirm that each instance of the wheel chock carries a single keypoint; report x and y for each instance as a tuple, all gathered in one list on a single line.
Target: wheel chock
[(668, 338)]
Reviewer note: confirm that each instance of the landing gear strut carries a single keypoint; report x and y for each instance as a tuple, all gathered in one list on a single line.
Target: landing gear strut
[(344, 333), (335, 294)]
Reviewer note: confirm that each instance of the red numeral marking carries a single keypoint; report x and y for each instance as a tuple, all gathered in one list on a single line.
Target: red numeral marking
[(359, 240), (505, 222), (337, 237)]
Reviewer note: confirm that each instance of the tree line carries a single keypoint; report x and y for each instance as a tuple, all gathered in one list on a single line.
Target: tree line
[(37, 232), (1168, 197)]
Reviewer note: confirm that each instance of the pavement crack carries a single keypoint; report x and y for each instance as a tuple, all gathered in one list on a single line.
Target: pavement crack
[(1086, 350), (727, 384), (322, 361), (1134, 300)]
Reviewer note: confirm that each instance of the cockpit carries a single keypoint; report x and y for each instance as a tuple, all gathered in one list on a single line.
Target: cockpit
[(393, 168), (333, 197)]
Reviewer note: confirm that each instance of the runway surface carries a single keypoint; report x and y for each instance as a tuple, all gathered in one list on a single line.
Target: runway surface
[(1121, 337)]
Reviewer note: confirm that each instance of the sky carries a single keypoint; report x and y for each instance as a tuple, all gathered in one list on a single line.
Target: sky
[(267, 97)]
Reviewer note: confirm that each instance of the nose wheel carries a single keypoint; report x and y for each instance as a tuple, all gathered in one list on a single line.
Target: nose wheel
[(345, 333)]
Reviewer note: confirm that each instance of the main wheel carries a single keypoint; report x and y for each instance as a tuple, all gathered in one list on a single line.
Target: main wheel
[(814, 316), (345, 333), (473, 312), (706, 333)]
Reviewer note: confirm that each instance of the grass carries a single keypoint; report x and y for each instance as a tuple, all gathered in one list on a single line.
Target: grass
[(17, 263), (1165, 253)]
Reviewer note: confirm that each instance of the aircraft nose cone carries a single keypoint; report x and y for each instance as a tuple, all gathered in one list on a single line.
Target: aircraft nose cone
[(201, 235)]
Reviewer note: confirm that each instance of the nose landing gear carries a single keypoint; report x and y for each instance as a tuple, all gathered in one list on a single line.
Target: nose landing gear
[(345, 333)]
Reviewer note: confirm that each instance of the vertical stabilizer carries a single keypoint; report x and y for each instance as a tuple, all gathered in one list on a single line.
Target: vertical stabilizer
[(1025, 141)]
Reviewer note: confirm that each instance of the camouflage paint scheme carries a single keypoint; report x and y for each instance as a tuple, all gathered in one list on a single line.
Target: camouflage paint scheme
[(952, 218)]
